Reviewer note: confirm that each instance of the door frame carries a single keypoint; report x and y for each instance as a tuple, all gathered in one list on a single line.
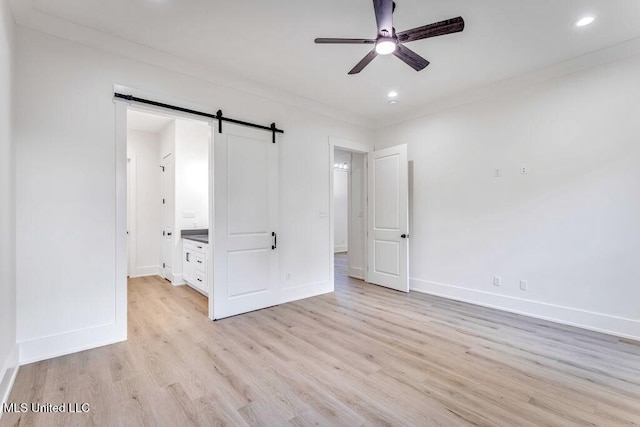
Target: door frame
[(352, 147), (132, 242), (121, 107)]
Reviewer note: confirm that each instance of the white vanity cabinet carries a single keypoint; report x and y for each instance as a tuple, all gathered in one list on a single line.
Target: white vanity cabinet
[(194, 264)]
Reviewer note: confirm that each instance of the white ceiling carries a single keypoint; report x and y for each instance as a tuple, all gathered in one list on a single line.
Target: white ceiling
[(147, 122), (271, 42)]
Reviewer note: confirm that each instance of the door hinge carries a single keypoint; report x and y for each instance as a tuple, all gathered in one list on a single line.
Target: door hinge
[(163, 232), (164, 265), (163, 201), (162, 167)]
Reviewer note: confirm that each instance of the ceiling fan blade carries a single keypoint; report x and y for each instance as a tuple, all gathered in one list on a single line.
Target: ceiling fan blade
[(449, 26), (384, 16), (411, 58), (365, 61), (344, 41)]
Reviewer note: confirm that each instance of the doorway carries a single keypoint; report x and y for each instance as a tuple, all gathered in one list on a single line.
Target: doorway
[(168, 197), (370, 206), (348, 209), (243, 176), (349, 206)]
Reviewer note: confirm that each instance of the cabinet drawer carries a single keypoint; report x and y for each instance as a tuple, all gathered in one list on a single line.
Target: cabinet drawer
[(199, 262), (194, 247), (200, 281)]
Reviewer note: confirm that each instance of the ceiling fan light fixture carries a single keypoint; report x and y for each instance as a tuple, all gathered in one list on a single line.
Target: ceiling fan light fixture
[(385, 45)]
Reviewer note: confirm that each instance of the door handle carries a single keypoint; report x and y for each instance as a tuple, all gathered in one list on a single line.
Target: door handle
[(187, 256), (405, 236), (275, 240), (169, 234)]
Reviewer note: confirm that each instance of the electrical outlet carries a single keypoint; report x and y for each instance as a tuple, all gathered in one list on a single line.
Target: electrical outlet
[(497, 280), (524, 285), (497, 173), (524, 169)]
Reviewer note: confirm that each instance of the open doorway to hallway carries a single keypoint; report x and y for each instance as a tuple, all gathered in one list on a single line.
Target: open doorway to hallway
[(377, 212), (349, 209)]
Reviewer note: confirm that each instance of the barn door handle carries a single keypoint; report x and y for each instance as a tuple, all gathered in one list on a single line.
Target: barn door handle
[(275, 240), (405, 236)]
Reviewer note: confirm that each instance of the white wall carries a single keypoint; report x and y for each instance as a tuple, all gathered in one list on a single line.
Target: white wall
[(66, 192), (570, 227), (8, 348), (341, 202), (192, 174), (143, 148)]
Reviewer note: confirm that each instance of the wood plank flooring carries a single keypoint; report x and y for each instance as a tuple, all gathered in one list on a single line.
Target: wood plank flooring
[(363, 355)]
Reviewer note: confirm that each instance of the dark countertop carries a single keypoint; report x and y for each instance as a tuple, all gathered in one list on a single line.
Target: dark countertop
[(201, 235), (202, 238)]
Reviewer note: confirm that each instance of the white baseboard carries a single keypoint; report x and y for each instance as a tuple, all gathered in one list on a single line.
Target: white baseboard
[(177, 280), (339, 249), (598, 322), (71, 342), (8, 375), (306, 290), (356, 273), (151, 270)]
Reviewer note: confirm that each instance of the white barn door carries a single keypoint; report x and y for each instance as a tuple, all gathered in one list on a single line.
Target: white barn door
[(245, 267), (388, 229)]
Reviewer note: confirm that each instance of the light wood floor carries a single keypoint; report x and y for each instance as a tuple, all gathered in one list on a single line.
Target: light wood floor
[(363, 355)]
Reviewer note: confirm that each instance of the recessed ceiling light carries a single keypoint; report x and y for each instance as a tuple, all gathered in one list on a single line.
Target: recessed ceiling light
[(393, 102), (583, 22), (392, 94)]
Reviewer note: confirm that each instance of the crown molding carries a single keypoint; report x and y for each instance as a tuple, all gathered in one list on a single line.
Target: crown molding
[(506, 87), (28, 16)]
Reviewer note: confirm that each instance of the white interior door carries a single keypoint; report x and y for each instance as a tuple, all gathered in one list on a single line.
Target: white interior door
[(168, 213), (246, 221), (388, 230)]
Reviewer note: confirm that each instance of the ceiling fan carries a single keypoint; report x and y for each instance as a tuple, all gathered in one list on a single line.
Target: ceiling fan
[(388, 41)]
